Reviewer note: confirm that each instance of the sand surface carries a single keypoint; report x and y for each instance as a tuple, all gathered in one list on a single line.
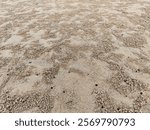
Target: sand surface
[(74, 56)]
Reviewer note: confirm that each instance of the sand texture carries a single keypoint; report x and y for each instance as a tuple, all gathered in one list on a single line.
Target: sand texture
[(74, 56)]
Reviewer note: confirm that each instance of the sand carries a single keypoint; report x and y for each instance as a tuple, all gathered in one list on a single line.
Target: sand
[(75, 56)]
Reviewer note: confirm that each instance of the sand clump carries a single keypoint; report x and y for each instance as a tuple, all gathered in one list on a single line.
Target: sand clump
[(21, 103)]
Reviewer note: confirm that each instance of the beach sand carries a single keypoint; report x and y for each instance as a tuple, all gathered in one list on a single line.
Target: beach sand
[(85, 56)]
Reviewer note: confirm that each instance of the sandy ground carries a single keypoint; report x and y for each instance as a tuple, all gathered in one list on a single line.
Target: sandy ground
[(74, 56)]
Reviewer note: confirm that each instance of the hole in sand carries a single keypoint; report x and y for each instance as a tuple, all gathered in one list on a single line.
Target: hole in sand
[(96, 84), (118, 108)]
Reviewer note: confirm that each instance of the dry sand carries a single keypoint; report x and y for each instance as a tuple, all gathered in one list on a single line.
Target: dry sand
[(74, 56)]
